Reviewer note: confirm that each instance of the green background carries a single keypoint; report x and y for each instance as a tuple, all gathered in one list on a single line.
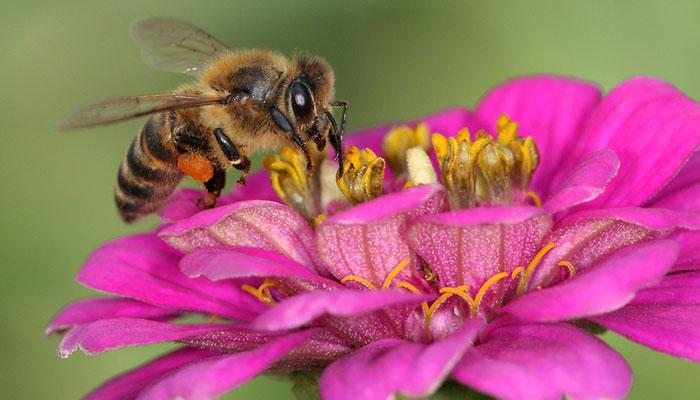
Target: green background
[(393, 61)]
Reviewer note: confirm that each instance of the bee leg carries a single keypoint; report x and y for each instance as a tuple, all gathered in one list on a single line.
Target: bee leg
[(233, 154), (336, 139), (214, 187), (243, 164), (344, 116), (284, 124)]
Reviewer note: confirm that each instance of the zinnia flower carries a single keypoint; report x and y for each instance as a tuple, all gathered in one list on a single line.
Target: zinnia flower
[(491, 261)]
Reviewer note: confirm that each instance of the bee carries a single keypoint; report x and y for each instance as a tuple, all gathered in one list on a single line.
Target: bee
[(243, 102)]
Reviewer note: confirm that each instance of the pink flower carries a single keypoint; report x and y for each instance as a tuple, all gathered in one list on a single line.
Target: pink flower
[(465, 280)]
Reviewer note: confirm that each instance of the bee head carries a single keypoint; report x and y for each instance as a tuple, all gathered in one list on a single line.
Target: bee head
[(310, 90), (308, 100)]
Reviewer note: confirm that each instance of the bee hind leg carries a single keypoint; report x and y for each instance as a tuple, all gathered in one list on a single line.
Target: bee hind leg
[(214, 186)]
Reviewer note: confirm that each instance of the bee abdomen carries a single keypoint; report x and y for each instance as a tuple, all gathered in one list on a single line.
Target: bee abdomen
[(147, 175)]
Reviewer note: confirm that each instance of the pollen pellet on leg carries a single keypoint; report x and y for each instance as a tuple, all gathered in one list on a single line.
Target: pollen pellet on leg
[(196, 165)]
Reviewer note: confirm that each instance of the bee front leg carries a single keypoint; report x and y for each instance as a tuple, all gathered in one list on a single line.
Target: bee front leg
[(233, 154), (244, 166), (214, 186)]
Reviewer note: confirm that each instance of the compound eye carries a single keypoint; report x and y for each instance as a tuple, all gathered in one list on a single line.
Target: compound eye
[(302, 104)]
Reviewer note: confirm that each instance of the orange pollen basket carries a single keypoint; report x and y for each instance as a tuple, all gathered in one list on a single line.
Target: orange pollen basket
[(195, 165)]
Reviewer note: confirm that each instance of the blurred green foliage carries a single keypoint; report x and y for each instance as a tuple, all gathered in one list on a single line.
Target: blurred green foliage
[(393, 61)]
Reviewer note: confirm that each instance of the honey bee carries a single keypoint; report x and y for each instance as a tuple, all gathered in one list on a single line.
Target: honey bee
[(244, 101)]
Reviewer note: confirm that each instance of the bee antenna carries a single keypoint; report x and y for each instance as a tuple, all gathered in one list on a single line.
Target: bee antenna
[(336, 139)]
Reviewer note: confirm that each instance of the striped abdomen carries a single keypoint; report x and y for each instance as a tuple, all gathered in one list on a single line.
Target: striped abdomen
[(148, 173)]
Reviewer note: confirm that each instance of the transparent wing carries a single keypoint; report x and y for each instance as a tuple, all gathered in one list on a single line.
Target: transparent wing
[(175, 46), (123, 108)]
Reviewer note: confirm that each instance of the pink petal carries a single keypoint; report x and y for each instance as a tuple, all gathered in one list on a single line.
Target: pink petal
[(390, 366), (145, 268), (218, 263), (604, 288), (686, 198), (261, 224), (664, 317), (90, 310), (469, 246), (585, 182), (215, 376), (183, 203), (257, 187), (553, 110), (368, 239), (588, 236), (114, 333), (652, 127), (301, 309), (542, 362), (129, 384), (321, 350), (446, 122), (689, 257), (688, 175)]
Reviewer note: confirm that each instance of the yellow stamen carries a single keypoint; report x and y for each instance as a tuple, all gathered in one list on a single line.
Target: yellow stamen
[(213, 319), (330, 192), (482, 290), (420, 168), (408, 286), (517, 271), (431, 311), (525, 276), (448, 289), (460, 291), (290, 180), (534, 197), (433, 307), (411, 288), (255, 292), (363, 175), (486, 170), (262, 292), (318, 219), (358, 279), (397, 269), (265, 287), (569, 266), (397, 142), (536, 260)]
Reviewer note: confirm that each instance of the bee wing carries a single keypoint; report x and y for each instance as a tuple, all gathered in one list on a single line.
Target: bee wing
[(123, 108), (175, 46)]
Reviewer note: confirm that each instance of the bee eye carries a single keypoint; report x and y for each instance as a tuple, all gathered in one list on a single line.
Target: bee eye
[(300, 97)]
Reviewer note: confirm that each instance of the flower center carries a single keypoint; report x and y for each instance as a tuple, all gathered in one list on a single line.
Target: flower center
[(363, 175), (486, 171), (308, 194), (398, 142), (522, 274), (480, 172)]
